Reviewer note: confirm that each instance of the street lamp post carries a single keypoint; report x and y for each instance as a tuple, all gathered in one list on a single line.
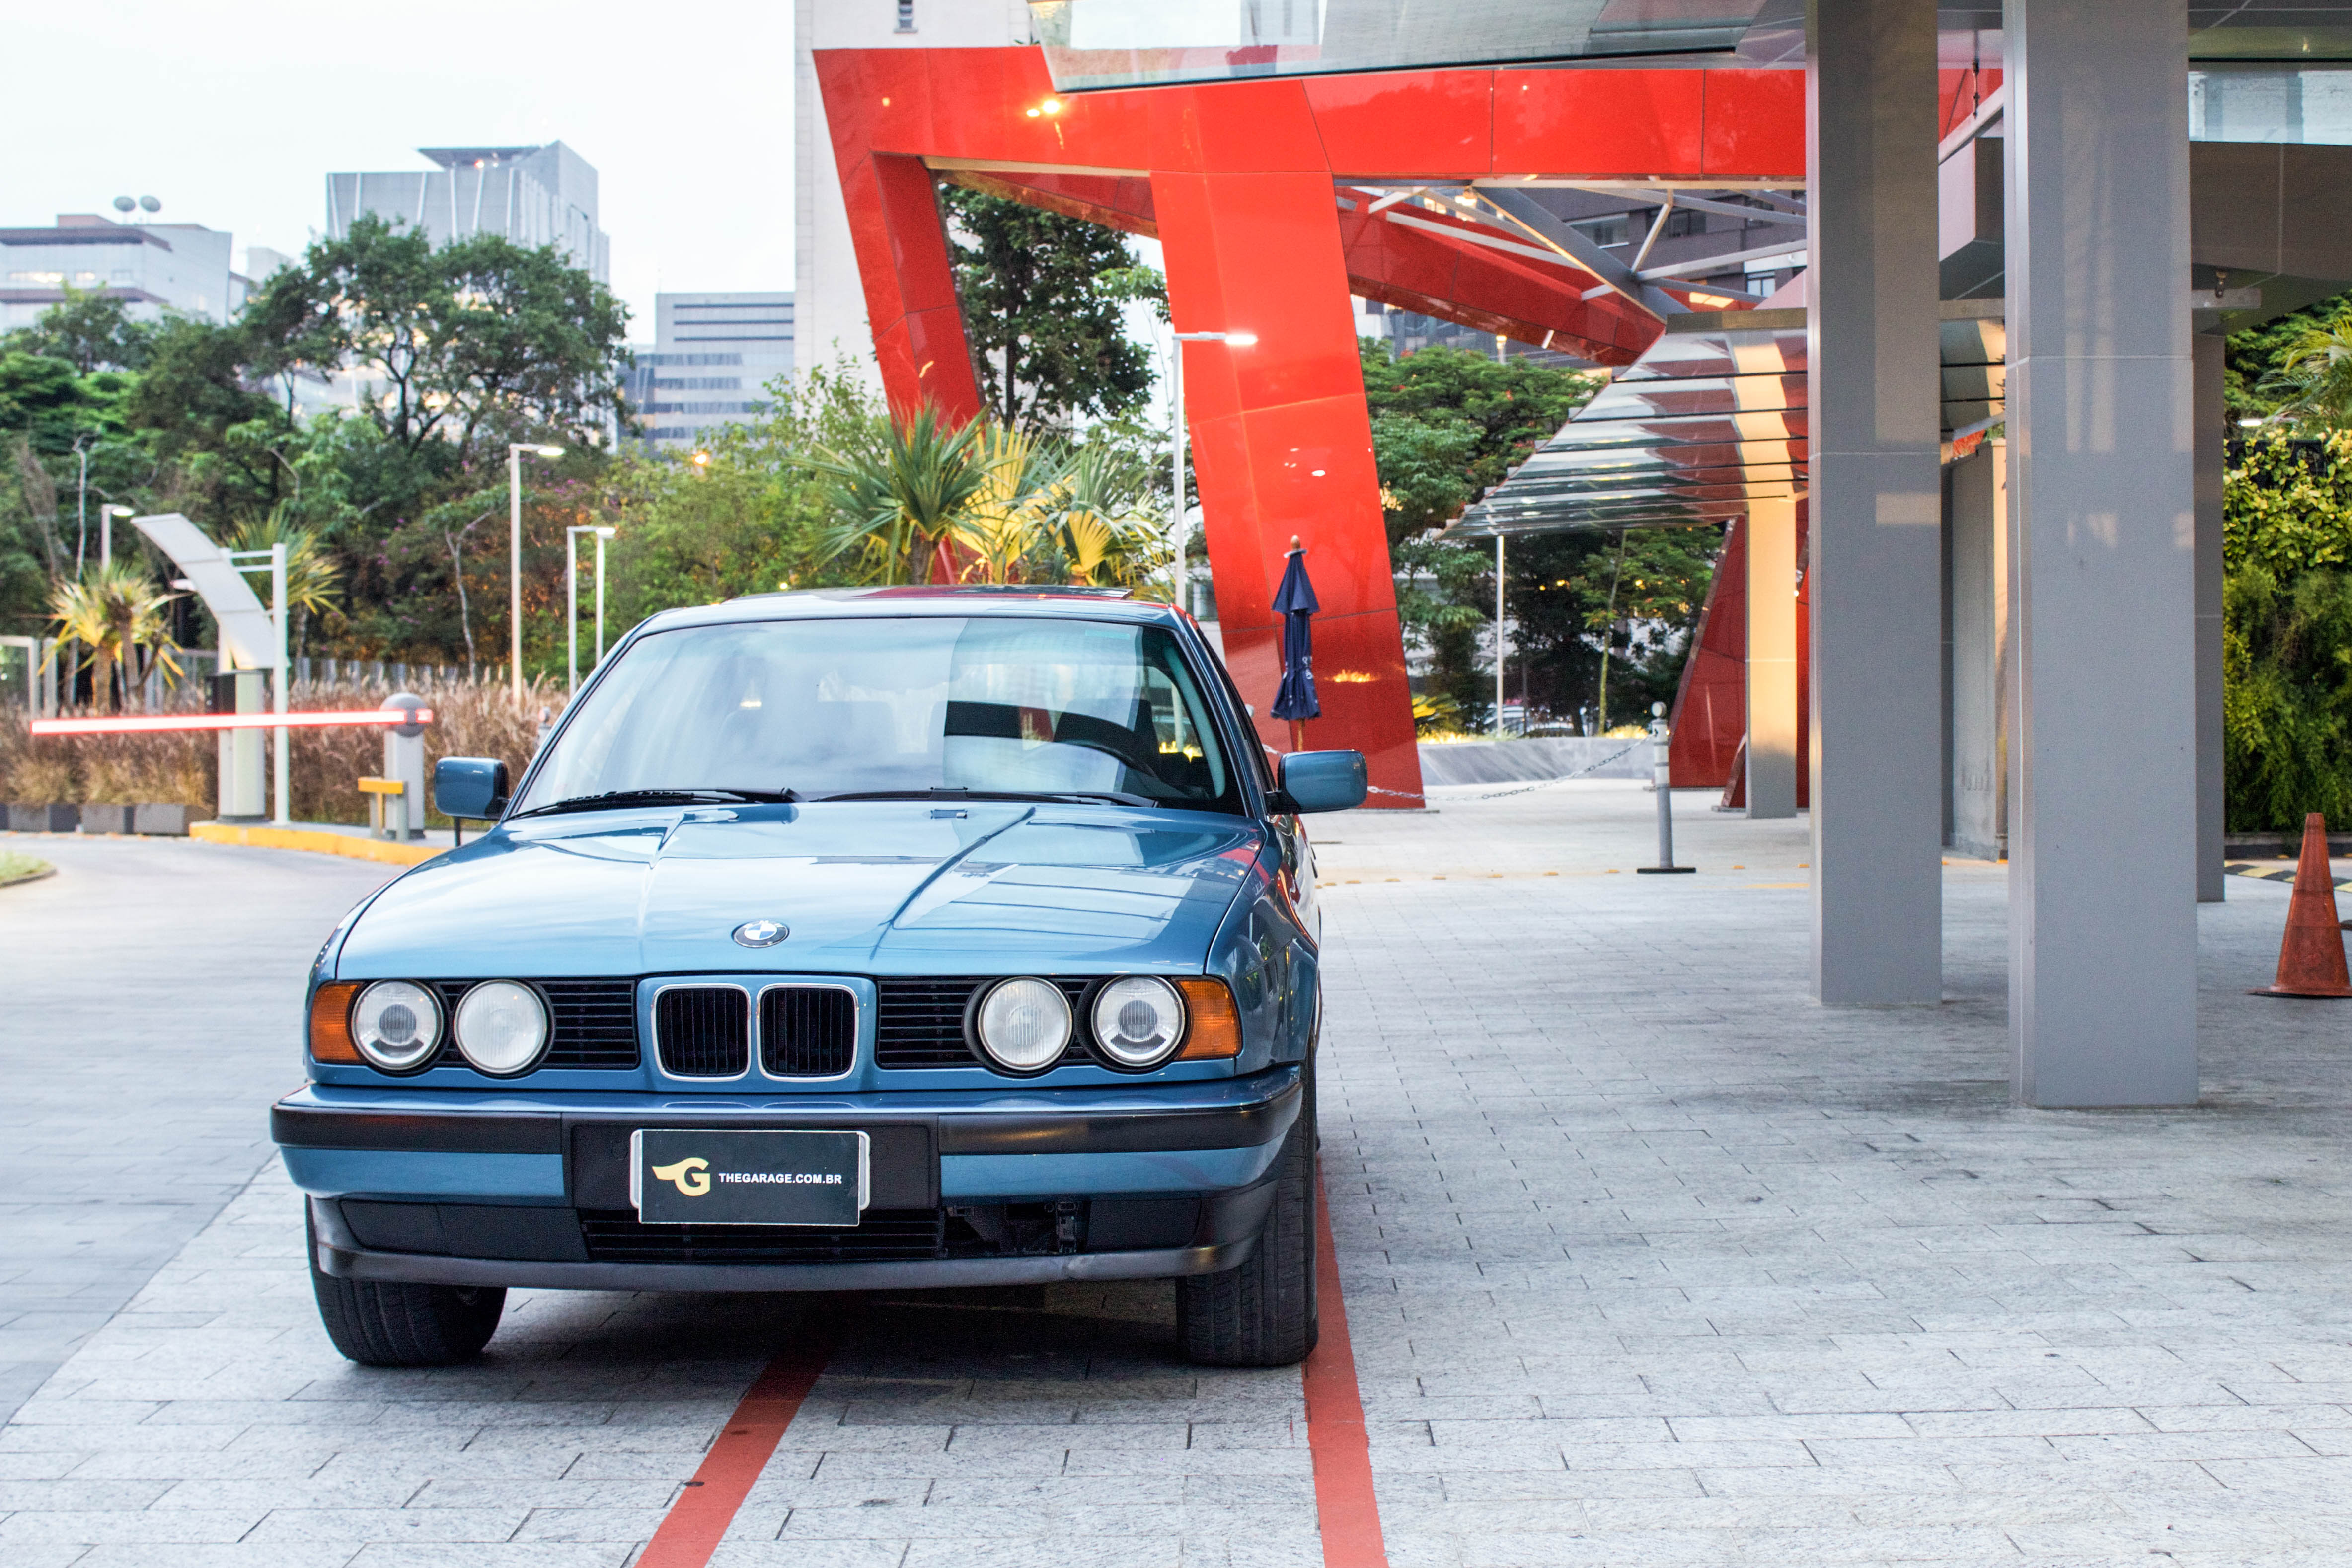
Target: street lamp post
[(281, 763), (571, 595), (273, 559), (602, 534), (515, 449), (1499, 632), (1176, 423), (106, 515)]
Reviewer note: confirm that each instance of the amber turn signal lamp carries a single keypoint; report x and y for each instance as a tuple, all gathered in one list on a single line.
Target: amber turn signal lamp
[(1215, 1031), (331, 1024)]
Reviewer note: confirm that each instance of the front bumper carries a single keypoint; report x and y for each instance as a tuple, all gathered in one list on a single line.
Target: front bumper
[(1025, 1186)]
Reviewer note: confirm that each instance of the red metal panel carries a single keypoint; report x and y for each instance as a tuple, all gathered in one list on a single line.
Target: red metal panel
[(1000, 104), (910, 299), (1110, 200), (1235, 128), (1412, 267), (1283, 447), (1710, 715), (876, 100), (1959, 90), (1241, 196), (1636, 124), (1755, 125), (1435, 124)]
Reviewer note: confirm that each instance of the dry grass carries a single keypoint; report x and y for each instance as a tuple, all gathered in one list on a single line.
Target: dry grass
[(181, 768)]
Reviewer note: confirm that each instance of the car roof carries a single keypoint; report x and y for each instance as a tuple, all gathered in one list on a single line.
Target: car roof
[(878, 603)]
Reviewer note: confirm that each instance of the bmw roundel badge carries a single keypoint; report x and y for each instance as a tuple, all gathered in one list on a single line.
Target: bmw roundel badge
[(761, 932)]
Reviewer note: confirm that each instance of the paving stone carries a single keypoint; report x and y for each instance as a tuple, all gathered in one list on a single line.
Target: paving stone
[(1649, 1260)]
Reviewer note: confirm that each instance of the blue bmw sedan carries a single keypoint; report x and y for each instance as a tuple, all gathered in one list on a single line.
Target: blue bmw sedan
[(886, 937)]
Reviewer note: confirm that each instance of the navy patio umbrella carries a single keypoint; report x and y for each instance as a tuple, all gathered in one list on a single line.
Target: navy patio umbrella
[(1295, 602)]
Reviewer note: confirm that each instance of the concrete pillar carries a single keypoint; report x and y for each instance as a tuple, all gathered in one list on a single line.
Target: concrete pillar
[(1979, 590), (1772, 529), (2102, 782), (1874, 578), (2212, 429)]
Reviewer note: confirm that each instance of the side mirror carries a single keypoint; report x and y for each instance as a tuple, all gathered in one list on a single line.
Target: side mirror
[(470, 789), (1321, 782)]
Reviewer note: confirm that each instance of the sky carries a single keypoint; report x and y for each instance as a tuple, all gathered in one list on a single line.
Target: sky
[(232, 116)]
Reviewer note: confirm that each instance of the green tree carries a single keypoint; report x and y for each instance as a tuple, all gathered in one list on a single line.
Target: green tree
[(750, 520), (1042, 296), (470, 343), (2255, 386), (90, 329), (1446, 426)]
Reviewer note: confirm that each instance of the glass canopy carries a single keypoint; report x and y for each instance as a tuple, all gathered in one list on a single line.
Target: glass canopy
[(1149, 43), (1139, 43), (1711, 418)]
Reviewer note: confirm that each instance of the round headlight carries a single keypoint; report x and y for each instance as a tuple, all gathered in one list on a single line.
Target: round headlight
[(501, 1027), (1138, 1021), (396, 1024), (1023, 1025)]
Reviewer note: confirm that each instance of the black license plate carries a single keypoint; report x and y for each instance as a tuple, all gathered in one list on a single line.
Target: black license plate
[(687, 1178)]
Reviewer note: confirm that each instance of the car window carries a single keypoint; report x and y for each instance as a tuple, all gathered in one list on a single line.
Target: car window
[(1247, 722), (850, 706)]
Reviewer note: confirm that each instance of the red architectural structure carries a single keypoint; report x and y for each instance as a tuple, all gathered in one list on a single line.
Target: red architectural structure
[(1711, 706), (1253, 190)]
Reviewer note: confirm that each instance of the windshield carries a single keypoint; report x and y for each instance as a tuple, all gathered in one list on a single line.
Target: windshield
[(827, 708)]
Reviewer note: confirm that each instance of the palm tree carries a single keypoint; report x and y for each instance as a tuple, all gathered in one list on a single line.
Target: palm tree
[(1023, 478), (897, 495), (1109, 533), (115, 611), (314, 579), (2318, 368)]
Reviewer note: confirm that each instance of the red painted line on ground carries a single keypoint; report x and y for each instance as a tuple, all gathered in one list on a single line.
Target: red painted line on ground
[(698, 1521), (1345, 1505)]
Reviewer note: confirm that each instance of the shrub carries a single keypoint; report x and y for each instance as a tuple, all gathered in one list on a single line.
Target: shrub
[(2287, 632)]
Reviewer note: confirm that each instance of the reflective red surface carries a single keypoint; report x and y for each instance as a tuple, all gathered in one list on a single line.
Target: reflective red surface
[(1244, 183)]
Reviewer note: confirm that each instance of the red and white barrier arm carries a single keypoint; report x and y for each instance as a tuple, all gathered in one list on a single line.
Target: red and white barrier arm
[(132, 725)]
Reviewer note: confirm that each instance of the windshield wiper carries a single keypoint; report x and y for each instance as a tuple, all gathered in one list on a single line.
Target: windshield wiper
[(1069, 797), (613, 799)]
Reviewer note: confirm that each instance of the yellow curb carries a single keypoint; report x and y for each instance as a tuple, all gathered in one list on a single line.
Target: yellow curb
[(348, 845)]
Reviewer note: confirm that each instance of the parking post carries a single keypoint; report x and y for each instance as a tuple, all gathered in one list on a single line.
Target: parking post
[(1662, 780)]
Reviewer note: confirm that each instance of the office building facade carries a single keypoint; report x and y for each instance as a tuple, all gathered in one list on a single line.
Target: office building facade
[(156, 267), (711, 362), (531, 195)]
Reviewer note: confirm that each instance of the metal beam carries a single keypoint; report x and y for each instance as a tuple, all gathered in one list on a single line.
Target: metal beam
[(1710, 263), (1669, 196), (1539, 220)]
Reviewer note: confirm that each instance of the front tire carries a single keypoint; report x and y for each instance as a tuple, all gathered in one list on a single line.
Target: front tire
[(1263, 1314), (381, 1323)]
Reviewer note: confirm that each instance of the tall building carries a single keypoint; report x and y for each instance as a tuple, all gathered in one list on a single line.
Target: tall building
[(832, 302), (531, 195), (712, 359), (182, 268)]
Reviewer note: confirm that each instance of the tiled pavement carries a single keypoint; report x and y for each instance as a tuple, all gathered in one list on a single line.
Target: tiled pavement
[(145, 995), (1648, 1260)]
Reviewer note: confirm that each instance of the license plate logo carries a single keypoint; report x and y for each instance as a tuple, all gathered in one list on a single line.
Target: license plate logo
[(684, 1177)]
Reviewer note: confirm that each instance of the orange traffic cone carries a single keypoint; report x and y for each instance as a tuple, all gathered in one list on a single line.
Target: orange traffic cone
[(2311, 956)]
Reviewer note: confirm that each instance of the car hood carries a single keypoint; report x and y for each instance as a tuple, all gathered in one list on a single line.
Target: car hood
[(876, 888)]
